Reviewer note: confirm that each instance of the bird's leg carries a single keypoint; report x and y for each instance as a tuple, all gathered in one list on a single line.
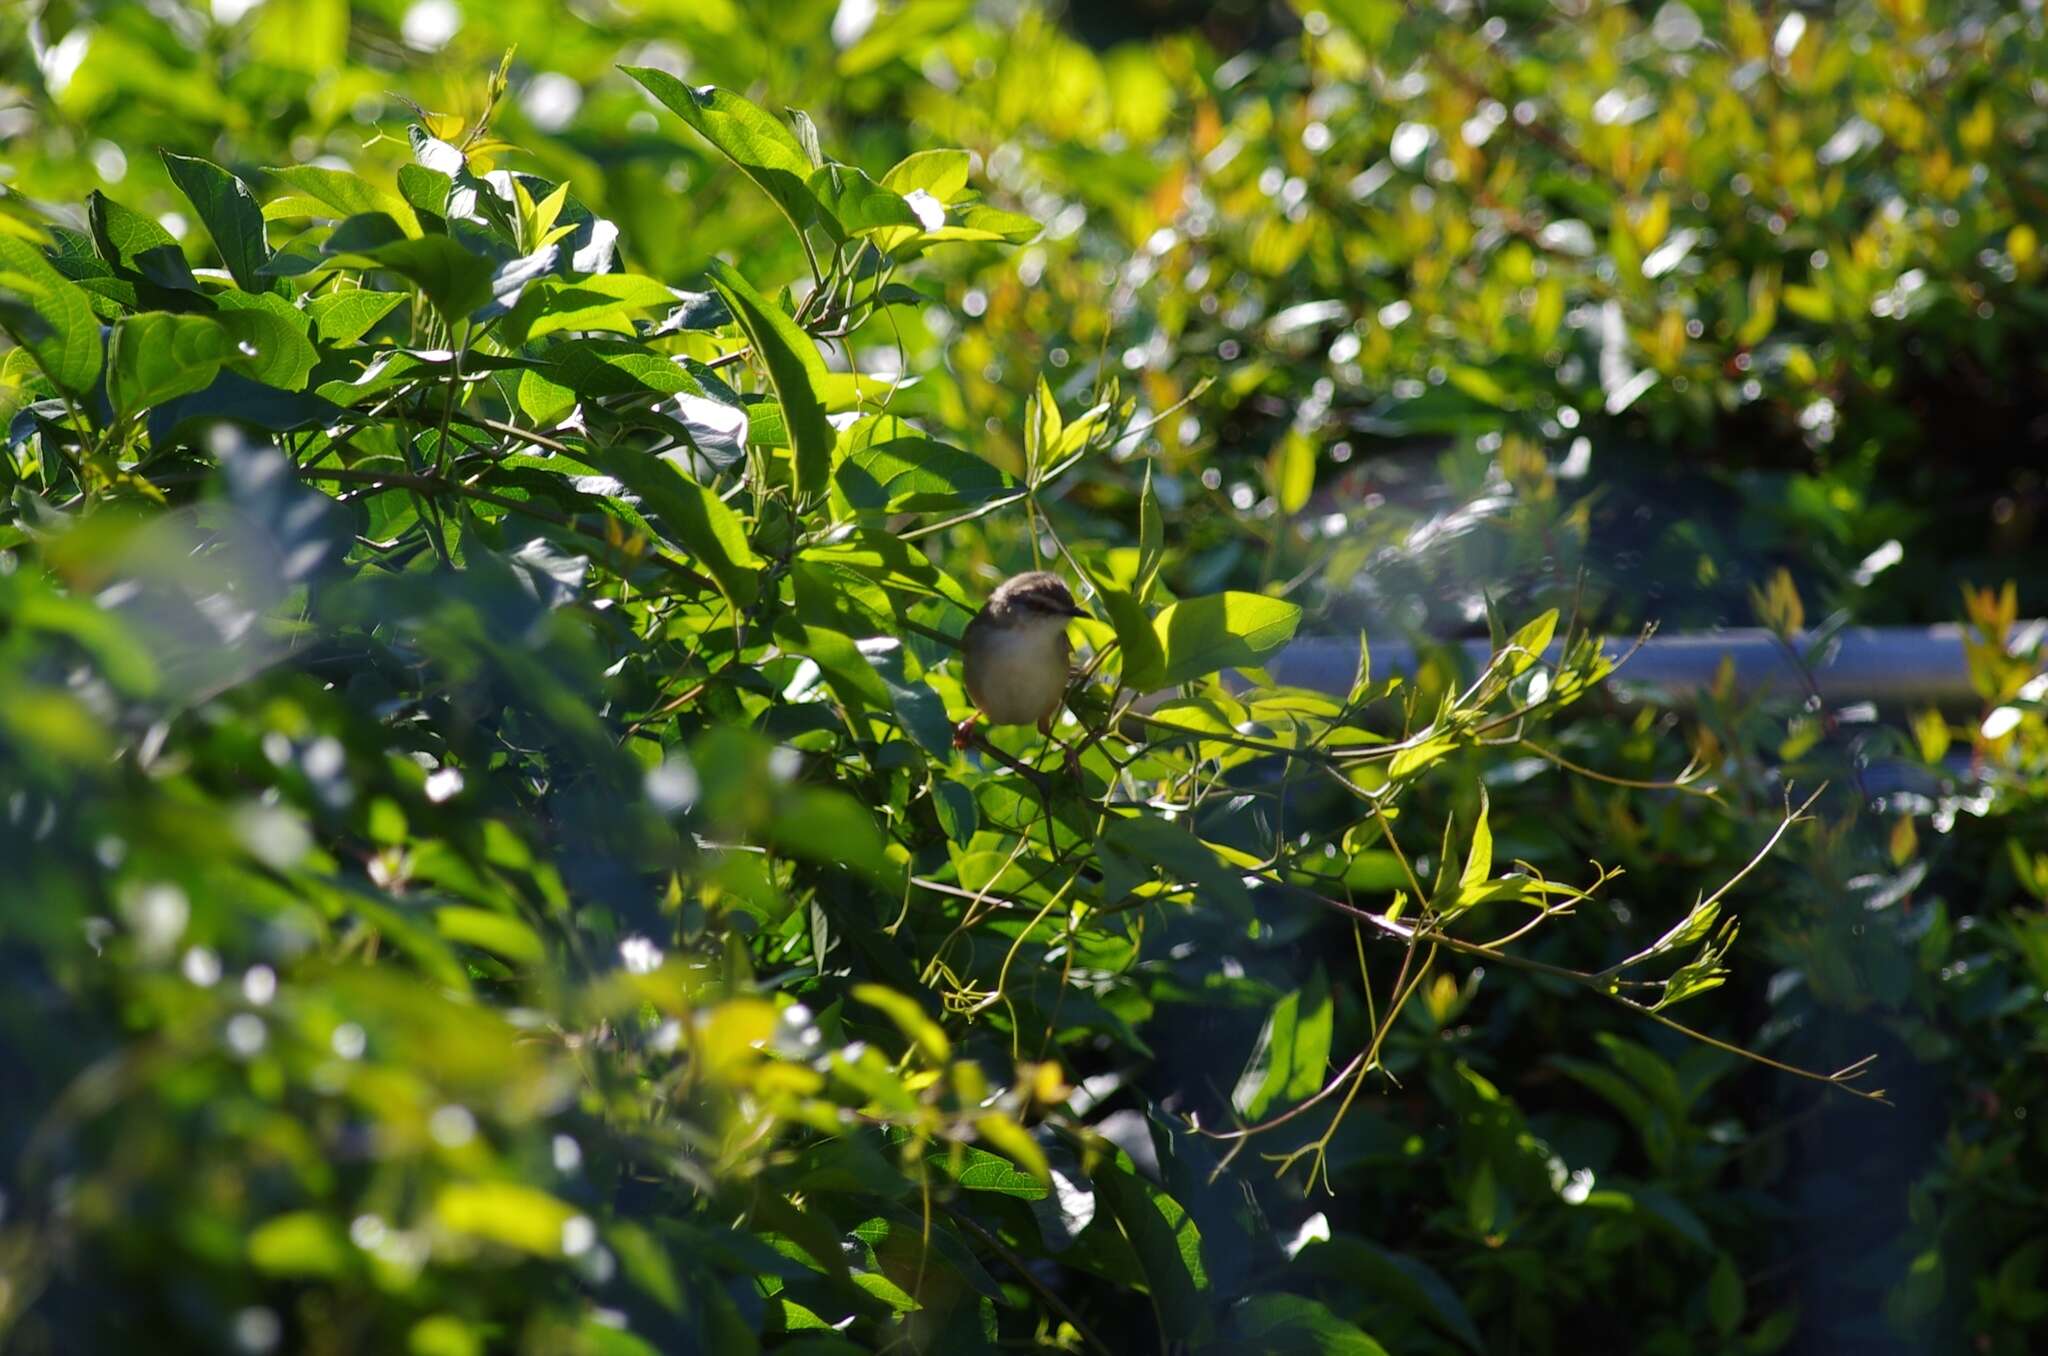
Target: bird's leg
[(1071, 756), (965, 733)]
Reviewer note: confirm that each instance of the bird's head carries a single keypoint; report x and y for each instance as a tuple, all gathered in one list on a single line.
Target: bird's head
[(1037, 599)]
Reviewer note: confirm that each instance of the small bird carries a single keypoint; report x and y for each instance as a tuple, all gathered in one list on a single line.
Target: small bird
[(1015, 657)]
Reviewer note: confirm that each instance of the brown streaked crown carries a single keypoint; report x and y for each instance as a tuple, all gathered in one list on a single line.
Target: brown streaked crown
[(1038, 593)]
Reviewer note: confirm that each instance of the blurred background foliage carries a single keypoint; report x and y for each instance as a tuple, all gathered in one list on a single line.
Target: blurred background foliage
[(1666, 313)]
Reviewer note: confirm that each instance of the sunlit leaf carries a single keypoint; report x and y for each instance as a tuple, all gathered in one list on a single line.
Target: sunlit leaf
[(762, 147), (512, 1214), (495, 932), (794, 370), (156, 356), (129, 240), (1199, 636), (57, 323), (700, 522), (344, 317), (884, 463), (231, 215), (1292, 1054), (301, 1243), (345, 194), (1016, 1144)]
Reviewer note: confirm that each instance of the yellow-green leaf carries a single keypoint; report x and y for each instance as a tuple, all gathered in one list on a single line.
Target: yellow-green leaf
[(1016, 1144), (302, 1243), (499, 933), (909, 1017), (511, 1213), (1223, 630)]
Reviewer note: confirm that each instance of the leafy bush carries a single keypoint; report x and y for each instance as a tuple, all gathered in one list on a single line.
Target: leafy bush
[(531, 895)]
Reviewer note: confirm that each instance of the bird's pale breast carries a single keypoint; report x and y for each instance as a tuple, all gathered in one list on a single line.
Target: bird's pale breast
[(1018, 674)]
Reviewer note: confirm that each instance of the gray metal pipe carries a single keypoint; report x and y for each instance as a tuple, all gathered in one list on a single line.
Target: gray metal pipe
[(1887, 665)]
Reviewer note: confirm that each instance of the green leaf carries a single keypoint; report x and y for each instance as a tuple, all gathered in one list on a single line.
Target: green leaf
[(955, 807), (1293, 1325), (119, 649), (346, 194), (978, 222), (764, 423), (305, 252), (794, 370), (157, 355), (981, 1170), (1180, 855), (1625, 1097), (443, 1334), (909, 1017), (544, 403), (1015, 1142), (1547, 314), (454, 279), (1415, 758), (294, 207), (1144, 661), (344, 317), (1151, 541), (1674, 1215), (1361, 680), (696, 518), (1293, 1051), (645, 1262), (609, 367), (1225, 630), (604, 301), (1762, 317), (1168, 1245), (844, 668), (1526, 646), (231, 215), (1350, 1261), (918, 709), (129, 240), (886, 464), (943, 174), (1293, 471), (268, 335), (302, 1243), (508, 1213), (1726, 1300), (853, 204), (1482, 1199), (499, 933), (1479, 861), (58, 325), (1043, 425), (885, 1290), (835, 830), (1481, 385), (746, 134), (426, 190)]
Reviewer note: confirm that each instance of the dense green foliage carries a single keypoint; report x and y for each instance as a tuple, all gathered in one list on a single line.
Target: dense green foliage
[(483, 559)]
